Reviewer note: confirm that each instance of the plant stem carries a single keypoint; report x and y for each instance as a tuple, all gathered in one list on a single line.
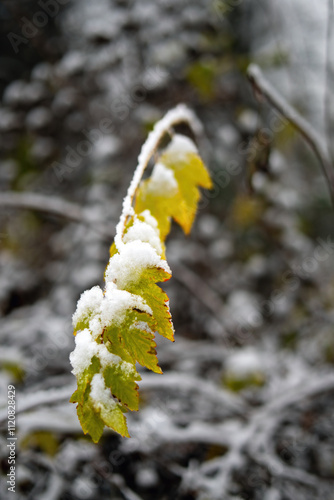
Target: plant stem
[(262, 86)]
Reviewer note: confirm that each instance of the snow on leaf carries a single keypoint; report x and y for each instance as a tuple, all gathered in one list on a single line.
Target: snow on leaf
[(115, 327), (180, 171), (84, 380), (157, 300), (89, 301), (190, 173), (123, 384), (135, 342)]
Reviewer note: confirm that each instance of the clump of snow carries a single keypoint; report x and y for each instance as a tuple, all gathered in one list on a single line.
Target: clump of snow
[(162, 181), (117, 302), (181, 144), (96, 327), (108, 308), (106, 357), (145, 232), (101, 396), (85, 349), (134, 257), (88, 304), (149, 219)]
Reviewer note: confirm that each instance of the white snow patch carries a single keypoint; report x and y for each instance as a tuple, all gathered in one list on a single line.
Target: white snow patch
[(106, 147), (162, 181), (181, 144), (88, 304), (100, 395), (96, 327), (242, 309), (133, 259), (143, 326), (143, 231), (117, 302), (245, 362), (149, 219), (85, 349)]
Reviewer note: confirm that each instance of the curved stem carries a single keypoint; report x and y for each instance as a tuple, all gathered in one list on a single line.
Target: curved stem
[(315, 141), (179, 114)]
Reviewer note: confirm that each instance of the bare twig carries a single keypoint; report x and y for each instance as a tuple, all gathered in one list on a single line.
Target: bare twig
[(55, 206), (263, 87), (43, 203)]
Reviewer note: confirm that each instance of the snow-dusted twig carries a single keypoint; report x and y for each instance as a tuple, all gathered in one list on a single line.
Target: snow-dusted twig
[(54, 206), (264, 88), (171, 380), (252, 438), (43, 203), (278, 468), (128, 494), (179, 114), (196, 432), (149, 382), (36, 399), (255, 436)]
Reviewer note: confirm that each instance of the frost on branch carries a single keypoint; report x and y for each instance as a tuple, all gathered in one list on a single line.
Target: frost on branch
[(115, 327)]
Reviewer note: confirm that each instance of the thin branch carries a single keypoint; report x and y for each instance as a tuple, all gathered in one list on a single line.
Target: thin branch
[(55, 206), (263, 87), (259, 429), (195, 432), (43, 203), (128, 494), (171, 380)]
